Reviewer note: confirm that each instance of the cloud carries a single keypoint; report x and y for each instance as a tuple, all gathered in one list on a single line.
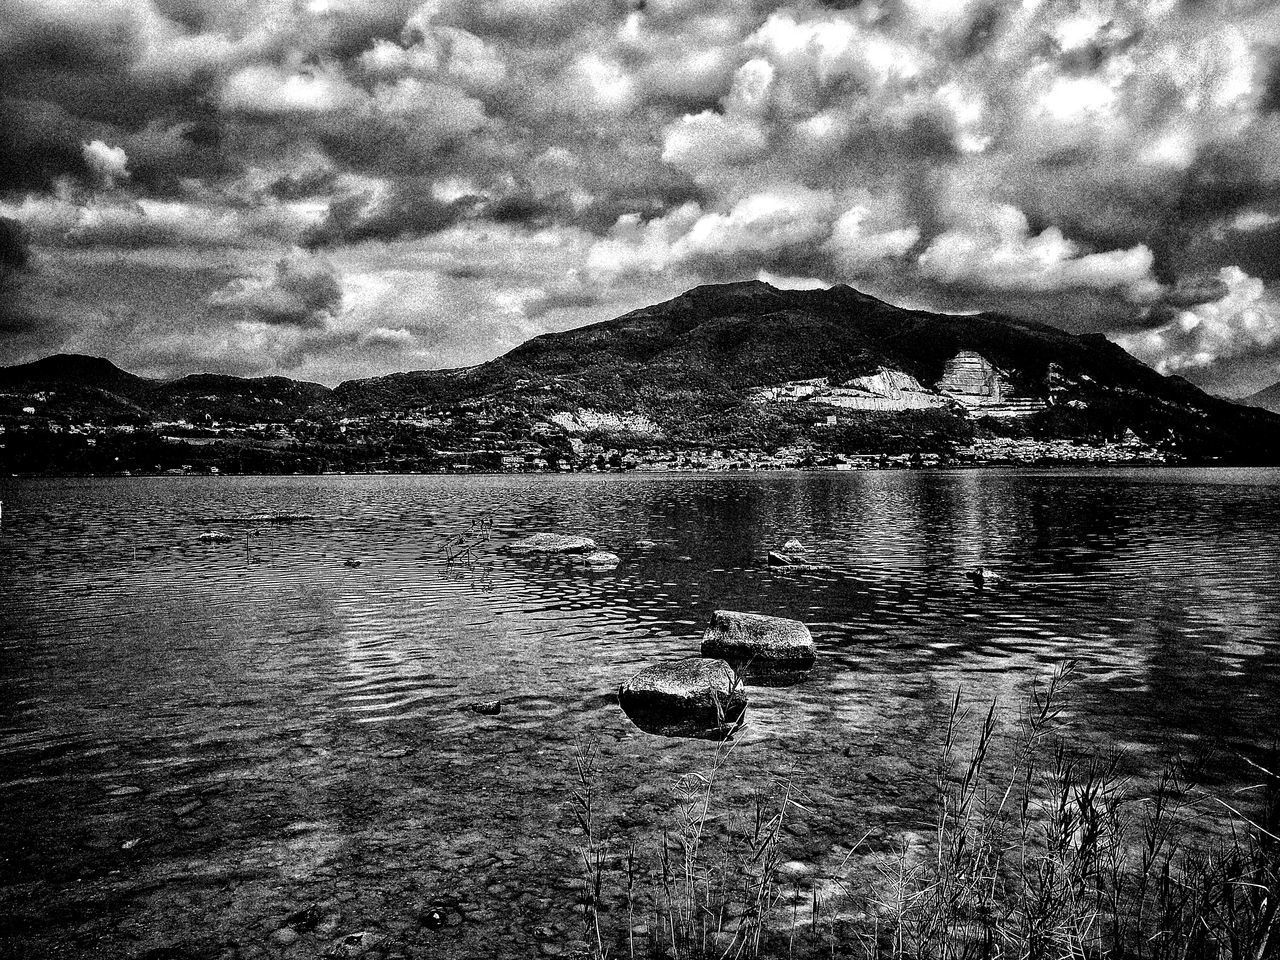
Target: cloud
[(266, 90), (14, 253), (635, 246), (427, 49), (759, 227), (108, 164), (736, 134), (1089, 165), (1244, 321), (858, 246), (383, 211), (792, 283), (303, 291), (73, 218), (1001, 254)]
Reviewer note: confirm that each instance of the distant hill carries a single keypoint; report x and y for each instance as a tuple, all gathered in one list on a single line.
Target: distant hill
[(238, 399), (1267, 398), (64, 369), (79, 388), (821, 374)]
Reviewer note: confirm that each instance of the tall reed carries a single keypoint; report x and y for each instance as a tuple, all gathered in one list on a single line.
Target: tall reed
[(1040, 848)]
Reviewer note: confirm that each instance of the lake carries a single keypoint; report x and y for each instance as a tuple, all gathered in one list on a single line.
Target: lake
[(244, 746)]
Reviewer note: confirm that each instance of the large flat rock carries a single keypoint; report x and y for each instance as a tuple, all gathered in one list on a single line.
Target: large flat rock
[(553, 543), (694, 694), (753, 637)]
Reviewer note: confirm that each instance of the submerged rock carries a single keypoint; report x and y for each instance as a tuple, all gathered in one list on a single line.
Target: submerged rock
[(553, 543), (487, 708), (602, 560), (761, 639), (984, 576), (355, 944), (214, 536), (306, 918), (690, 697), (282, 518), (792, 555)]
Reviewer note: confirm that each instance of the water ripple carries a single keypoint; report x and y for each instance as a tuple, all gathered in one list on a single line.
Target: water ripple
[(131, 644)]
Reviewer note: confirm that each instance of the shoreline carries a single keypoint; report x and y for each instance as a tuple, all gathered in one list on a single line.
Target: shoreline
[(1041, 467)]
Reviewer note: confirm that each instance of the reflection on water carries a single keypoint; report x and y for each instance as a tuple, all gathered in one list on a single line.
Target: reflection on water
[(257, 706)]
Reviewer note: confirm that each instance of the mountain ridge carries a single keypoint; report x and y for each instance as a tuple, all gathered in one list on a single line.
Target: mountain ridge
[(1268, 398), (832, 373)]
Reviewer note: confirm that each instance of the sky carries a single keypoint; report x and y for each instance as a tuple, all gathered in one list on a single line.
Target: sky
[(336, 189)]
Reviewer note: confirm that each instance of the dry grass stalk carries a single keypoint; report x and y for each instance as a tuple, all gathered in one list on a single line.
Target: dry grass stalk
[(1039, 850)]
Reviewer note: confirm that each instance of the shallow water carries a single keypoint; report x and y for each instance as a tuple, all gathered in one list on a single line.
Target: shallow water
[(199, 737)]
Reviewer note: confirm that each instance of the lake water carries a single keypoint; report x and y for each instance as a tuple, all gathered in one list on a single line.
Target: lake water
[(200, 738)]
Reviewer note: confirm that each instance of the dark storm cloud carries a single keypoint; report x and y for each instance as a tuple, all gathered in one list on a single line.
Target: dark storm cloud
[(408, 210), (1194, 291), (14, 253), (301, 292)]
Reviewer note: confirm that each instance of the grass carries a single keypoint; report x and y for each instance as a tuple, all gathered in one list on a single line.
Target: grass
[(703, 887), (1039, 848)]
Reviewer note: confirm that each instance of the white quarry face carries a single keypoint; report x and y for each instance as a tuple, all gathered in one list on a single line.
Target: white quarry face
[(971, 374), (968, 378)]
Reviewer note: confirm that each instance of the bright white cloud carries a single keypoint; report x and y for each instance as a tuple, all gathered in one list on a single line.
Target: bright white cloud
[(857, 247), (1003, 255), (701, 142), (762, 224), (110, 165), (70, 219), (1243, 322), (271, 90)]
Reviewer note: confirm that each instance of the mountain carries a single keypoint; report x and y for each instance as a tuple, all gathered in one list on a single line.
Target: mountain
[(76, 388), (64, 369), (762, 375), (1267, 398), (690, 366)]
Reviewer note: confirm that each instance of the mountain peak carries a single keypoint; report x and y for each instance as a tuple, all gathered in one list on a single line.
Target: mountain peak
[(736, 288), (77, 368), (760, 291)]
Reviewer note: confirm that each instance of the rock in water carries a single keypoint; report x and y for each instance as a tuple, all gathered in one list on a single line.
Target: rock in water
[(215, 537), (777, 559), (553, 543), (602, 560), (690, 697), (984, 576), (760, 639), (793, 546)]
